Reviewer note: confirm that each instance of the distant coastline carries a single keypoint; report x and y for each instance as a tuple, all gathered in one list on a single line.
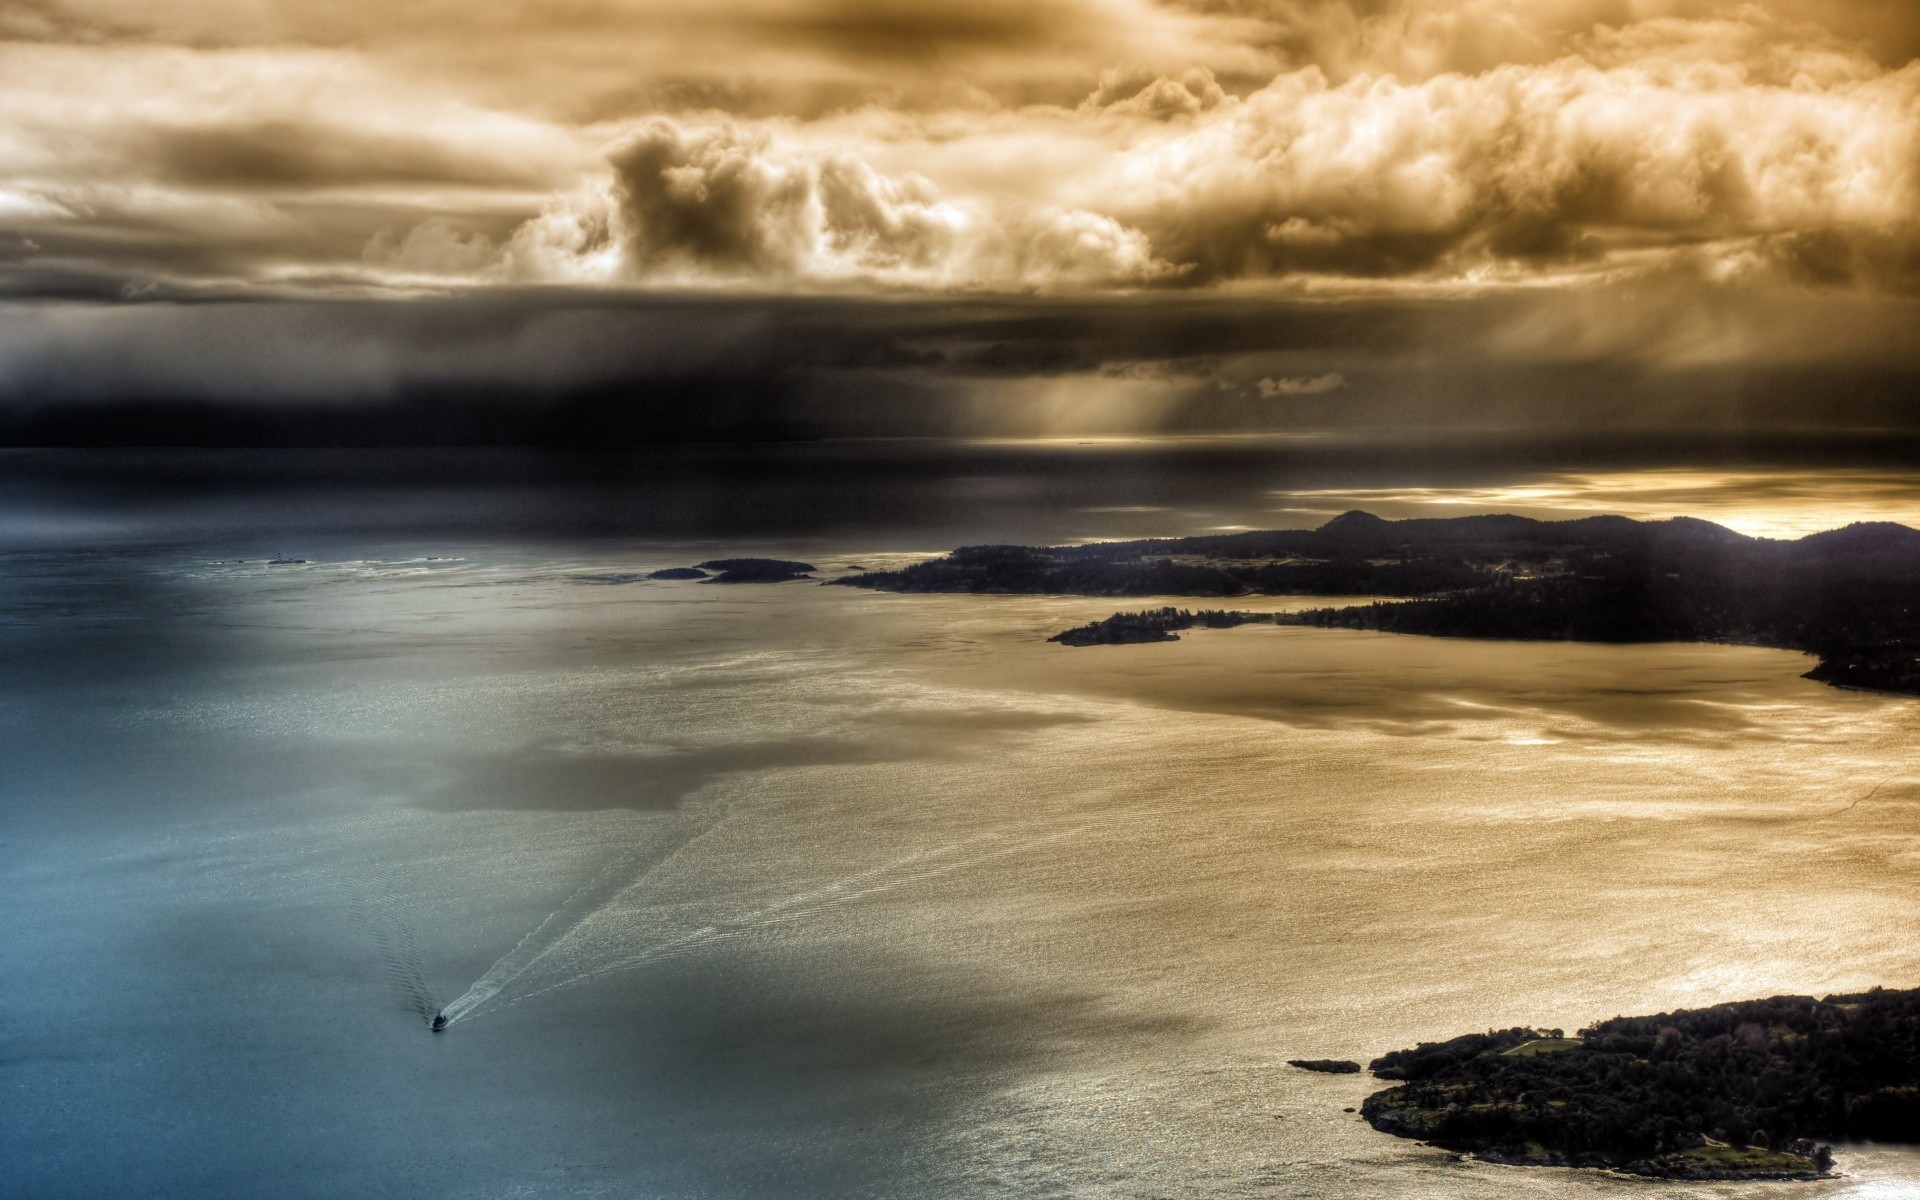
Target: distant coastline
[(1845, 596)]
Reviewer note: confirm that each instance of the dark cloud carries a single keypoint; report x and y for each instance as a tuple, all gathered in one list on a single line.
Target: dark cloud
[(286, 153), (932, 29), (584, 367), (647, 219), (723, 201)]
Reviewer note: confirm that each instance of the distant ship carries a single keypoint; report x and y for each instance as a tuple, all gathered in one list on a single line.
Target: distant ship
[(439, 1022)]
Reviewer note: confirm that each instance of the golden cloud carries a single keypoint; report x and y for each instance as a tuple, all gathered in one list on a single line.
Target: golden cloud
[(944, 145)]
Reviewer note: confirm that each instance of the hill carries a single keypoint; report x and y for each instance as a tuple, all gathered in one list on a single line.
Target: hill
[(1847, 596)]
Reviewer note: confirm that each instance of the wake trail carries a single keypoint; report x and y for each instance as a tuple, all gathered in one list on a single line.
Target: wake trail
[(887, 877), (600, 890), (1844, 809), (399, 953), (463, 1007)]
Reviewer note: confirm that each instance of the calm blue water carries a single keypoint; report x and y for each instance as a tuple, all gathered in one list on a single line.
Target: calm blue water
[(797, 891)]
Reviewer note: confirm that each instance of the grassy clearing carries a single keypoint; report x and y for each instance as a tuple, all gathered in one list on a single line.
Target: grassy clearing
[(1541, 1046), (1724, 1161)]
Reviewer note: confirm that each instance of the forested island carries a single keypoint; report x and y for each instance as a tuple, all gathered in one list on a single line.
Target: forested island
[(1154, 625), (1747, 1090), (740, 570), (1325, 1066), (1851, 596)]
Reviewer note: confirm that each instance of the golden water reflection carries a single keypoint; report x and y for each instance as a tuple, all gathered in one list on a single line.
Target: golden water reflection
[(1770, 504)]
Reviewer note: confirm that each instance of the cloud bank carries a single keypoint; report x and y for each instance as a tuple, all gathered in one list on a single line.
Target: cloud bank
[(955, 216), (1316, 146)]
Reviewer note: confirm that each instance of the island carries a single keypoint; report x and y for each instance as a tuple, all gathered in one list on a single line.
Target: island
[(1845, 596), (606, 578), (1155, 625), (1749, 1090), (750, 570), (678, 573), (1326, 1066)]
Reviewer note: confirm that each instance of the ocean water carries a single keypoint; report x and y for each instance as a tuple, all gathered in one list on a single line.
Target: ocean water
[(803, 891)]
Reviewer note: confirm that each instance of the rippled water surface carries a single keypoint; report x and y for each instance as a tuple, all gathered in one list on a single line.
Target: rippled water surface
[(798, 891)]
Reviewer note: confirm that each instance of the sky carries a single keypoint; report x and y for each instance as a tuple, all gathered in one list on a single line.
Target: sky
[(1037, 217)]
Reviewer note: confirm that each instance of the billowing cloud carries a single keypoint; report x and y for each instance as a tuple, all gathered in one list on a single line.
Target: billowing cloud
[(1527, 172), (727, 202), (1313, 147), (939, 216), (1730, 148), (724, 203), (1320, 144)]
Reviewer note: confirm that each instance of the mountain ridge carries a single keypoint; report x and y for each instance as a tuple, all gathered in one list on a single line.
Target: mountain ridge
[(1847, 596)]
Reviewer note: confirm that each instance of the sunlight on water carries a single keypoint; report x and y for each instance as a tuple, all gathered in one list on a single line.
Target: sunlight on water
[(801, 891)]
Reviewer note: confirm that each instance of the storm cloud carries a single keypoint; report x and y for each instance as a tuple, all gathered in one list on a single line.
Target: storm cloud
[(1095, 144), (1630, 188), (595, 366)]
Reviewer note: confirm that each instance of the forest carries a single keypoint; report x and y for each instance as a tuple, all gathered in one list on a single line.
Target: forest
[(1154, 625), (1746, 1089)]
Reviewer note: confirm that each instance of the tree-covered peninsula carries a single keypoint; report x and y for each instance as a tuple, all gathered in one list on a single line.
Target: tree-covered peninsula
[(1747, 1090), (1851, 597), (740, 570), (1154, 625)]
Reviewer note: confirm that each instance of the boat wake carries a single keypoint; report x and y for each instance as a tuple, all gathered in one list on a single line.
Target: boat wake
[(622, 874), (550, 947), (399, 953)]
